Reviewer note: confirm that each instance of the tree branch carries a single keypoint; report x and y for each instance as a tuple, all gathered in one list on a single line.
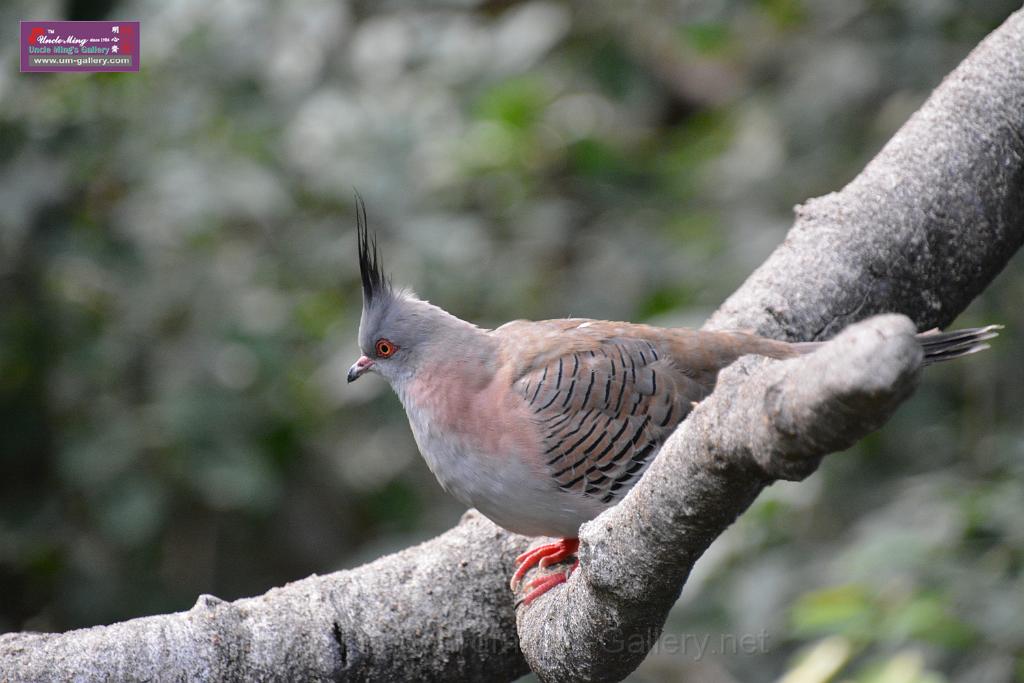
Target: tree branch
[(439, 611), (921, 231)]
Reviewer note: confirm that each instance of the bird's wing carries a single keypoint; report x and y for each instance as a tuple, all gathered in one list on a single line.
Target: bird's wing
[(603, 403)]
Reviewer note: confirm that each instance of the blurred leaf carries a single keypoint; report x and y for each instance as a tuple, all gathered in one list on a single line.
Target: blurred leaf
[(396, 505), (592, 157), (517, 103), (664, 301), (613, 69), (318, 311), (785, 13), (709, 39), (689, 147), (926, 617), (821, 662), (846, 610), (698, 229), (905, 667), (134, 511)]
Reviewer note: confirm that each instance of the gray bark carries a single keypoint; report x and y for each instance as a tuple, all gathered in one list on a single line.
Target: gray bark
[(920, 232), (438, 611)]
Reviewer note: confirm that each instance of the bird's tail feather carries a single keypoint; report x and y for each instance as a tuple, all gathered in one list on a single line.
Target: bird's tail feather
[(938, 346)]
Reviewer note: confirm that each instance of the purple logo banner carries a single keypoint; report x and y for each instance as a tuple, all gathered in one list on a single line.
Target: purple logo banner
[(79, 46)]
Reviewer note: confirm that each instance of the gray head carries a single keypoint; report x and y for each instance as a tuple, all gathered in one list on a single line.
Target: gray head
[(397, 330)]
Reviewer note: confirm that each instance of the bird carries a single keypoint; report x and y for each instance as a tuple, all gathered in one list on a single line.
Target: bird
[(542, 425)]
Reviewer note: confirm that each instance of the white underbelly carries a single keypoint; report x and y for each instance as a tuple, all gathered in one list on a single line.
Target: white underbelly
[(501, 485)]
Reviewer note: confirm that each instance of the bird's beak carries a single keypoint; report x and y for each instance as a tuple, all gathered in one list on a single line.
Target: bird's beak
[(359, 368)]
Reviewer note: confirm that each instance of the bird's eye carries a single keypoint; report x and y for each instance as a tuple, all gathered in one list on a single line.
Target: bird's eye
[(385, 348)]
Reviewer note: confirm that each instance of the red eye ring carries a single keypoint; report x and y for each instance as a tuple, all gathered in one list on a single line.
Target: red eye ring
[(385, 348)]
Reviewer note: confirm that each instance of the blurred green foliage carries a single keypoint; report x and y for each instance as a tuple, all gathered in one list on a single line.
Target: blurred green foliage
[(179, 299)]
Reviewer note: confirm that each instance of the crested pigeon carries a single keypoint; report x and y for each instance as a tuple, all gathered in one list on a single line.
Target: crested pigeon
[(542, 425)]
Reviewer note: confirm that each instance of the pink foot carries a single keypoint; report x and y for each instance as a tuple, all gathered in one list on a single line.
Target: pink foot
[(542, 584), (544, 556)]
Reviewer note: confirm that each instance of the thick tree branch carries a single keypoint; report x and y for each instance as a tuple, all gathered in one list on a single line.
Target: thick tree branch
[(437, 611), (921, 231)]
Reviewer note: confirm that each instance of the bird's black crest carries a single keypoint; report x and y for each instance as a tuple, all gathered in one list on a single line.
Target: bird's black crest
[(375, 283)]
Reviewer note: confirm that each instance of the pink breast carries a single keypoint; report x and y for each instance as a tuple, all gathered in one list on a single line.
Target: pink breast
[(485, 415)]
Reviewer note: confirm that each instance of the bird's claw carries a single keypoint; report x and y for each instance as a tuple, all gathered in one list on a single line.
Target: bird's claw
[(544, 556), (542, 584)]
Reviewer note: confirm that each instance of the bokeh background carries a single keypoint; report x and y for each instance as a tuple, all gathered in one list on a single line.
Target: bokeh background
[(179, 300)]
